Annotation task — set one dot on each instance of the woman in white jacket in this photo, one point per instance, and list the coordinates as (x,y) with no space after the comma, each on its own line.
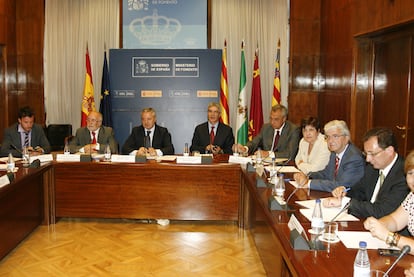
(313,154)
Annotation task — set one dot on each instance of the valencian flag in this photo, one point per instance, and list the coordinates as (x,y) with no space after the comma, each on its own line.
(256,112)
(105,107)
(242,103)
(88,100)
(276,98)
(224,89)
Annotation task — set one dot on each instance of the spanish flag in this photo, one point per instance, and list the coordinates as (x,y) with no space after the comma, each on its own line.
(88,100)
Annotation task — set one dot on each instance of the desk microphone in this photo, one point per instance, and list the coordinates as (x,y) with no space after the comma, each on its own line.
(17,149)
(341,211)
(34,164)
(404,251)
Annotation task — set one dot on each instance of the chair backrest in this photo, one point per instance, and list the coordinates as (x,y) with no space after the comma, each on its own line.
(56,134)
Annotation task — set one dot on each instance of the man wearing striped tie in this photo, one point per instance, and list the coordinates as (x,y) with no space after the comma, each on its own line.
(25,133)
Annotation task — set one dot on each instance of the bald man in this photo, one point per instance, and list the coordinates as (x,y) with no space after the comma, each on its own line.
(94,137)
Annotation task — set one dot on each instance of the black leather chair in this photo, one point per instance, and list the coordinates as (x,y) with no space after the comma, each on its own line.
(56,134)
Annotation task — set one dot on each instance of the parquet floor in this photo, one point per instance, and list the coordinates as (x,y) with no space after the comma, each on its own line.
(94,247)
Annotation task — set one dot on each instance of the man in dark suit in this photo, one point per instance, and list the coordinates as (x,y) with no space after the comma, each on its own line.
(94,137)
(383,187)
(345,166)
(149,138)
(25,133)
(280,137)
(222,138)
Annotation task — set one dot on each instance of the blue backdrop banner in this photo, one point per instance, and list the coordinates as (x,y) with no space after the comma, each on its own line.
(178,84)
(164,24)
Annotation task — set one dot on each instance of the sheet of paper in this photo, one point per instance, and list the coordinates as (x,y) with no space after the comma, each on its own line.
(328,214)
(351,239)
(282,169)
(5,159)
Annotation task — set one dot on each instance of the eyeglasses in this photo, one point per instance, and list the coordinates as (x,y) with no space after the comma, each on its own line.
(335,137)
(366,154)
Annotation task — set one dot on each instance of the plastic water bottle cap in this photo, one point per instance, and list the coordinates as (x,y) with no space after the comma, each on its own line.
(362,244)
(318,201)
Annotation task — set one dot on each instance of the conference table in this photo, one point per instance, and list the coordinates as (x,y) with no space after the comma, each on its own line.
(150,190)
(271,234)
(23,205)
(219,191)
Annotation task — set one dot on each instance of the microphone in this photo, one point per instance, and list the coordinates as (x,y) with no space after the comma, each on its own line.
(17,149)
(34,164)
(406,249)
(341,211)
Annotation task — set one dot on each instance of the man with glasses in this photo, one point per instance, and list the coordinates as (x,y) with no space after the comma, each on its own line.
(345,166)
(383,186)
(279,137)
(94,137)
(213,136)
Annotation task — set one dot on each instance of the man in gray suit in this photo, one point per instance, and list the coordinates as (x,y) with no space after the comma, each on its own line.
(280,136)
(346,164)
(94,137)
(25,134)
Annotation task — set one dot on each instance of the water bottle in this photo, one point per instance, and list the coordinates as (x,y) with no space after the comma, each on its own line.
(317,219)
(362,266)
(186,150)
(66,150)
(10,163)
(107,153)
(259,159)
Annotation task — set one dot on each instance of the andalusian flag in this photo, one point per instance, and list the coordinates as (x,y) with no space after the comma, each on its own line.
(276,98)
(242,104)
(224,89)
(88,100)
(105,107)
(256,112)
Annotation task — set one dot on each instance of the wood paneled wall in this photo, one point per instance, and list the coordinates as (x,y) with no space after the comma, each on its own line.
(21,61)
(322,56)
(322,50)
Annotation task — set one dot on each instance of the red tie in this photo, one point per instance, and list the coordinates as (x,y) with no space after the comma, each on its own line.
(336,165)
(276,141)
(212,135)
(93,138)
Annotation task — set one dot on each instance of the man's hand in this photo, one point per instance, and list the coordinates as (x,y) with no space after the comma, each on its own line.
(331,202)
(301,179)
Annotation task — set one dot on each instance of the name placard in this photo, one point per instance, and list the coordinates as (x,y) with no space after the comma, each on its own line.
(239,160)
(67,158)
(123,158)
(42,158)
(4,180)
(188,159)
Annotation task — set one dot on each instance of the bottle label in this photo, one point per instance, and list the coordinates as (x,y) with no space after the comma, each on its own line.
(362,271)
